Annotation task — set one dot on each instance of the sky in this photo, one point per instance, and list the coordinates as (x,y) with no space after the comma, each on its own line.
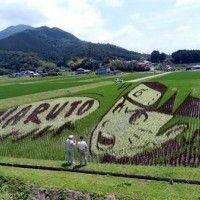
(138,25)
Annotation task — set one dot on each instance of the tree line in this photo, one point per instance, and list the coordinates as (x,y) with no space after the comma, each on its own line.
(11,61)
(177,57)
(186,56)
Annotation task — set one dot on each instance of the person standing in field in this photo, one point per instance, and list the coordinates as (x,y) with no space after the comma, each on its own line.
(82,149)
(70,143)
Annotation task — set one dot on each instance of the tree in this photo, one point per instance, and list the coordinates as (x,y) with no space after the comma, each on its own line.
(126,65)
(155,57)
(87,63)
(163,57)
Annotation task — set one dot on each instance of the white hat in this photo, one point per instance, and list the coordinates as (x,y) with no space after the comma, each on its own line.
(71,137)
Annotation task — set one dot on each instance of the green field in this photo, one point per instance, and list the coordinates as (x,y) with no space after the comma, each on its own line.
(122,188)
(54,148)
(18,87)
(184,82)
(163,111)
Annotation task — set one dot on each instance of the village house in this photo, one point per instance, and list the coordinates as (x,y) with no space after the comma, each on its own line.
(103,71)
(195,68)
(82,71)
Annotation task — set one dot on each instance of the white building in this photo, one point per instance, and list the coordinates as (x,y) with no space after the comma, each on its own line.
(195,68)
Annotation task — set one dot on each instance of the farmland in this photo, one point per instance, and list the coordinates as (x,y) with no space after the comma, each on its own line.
(24,86)
(152,122)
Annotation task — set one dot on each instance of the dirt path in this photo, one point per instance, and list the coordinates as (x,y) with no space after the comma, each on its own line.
(148,77)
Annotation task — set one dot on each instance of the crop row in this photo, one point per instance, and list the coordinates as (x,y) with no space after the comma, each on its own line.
(136,130)
(40,118)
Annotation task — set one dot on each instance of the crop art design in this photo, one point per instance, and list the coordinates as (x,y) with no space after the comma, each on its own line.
(134,130)
(38,119)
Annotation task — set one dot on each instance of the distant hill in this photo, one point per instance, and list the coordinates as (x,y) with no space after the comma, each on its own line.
(13,30)
(59,46)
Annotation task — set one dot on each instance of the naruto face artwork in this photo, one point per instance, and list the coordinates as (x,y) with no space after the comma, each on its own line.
(135,122)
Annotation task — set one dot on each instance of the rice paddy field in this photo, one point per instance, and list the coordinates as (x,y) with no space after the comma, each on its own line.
(140,126)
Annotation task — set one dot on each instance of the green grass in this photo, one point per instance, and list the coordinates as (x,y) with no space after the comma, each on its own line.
(125,76)
(5,195)
(18,87)
(11,81)
(161,171)
(103,185)
(184,83)
(16,101)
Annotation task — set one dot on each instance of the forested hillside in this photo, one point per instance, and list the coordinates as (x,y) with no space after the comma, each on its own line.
(57,46)
(18,61)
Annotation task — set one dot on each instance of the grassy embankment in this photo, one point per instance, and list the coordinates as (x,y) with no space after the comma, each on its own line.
(103,185)
(161,171)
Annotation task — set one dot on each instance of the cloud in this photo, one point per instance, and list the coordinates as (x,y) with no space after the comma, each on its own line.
(113,3)
(135,16)
(129,29)
(71,15)
(183,3)
(128,36)
(183,28)
(15,12)
(143,30)
(74,16)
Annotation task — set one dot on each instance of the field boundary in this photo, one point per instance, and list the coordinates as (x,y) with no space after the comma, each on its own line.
(104,173)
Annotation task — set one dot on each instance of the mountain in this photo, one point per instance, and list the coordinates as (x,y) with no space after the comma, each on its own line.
(14,29)
(57,45)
